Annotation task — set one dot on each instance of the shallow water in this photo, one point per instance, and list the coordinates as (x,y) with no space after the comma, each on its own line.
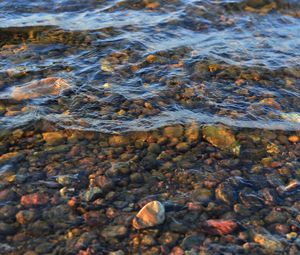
(232,62)
(108,105)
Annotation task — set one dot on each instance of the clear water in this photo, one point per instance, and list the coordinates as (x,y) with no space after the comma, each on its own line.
(232,62)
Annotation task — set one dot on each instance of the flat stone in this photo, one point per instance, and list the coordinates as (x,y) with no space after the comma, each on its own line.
(219,227)
(51,86)
(221,138)
(152,214)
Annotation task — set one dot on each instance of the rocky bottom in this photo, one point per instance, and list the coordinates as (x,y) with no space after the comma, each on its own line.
(176,190)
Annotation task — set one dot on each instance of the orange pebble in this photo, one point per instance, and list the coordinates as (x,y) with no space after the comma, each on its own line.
(72,202)
(150,58)
(152,5)
(293,138)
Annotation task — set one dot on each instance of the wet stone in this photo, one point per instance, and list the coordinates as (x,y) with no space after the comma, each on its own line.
(39,228)
(192,133)
(34,199)
(226,193)
(53,138)
(169,238)
(221,138)
(175,131)
(250,199)
(7,212)
(219,227)
(136,178)
(192,242)
(152,214)
(91,194)
(148,240)
(67,180)
(154,148)
(51,86)
(182,147)
(202,195)
(44,248)
(268,242)
(276,217)
(119,168)
(7,229)
(105,183)
(11,157)
(114,232)
(7,195)
(26,216)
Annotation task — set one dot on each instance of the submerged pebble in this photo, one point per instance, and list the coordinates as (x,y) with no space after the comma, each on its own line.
(152,214)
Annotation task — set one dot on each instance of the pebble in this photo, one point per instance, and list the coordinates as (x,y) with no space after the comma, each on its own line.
(7,229)
(221,138)
(219,227)
(7,195)
(114,231)
(154,148)
(152,214)
(7,212)
(105,183)
(174,131)
(34,199)
(169,238)
(148,240)
(91,194)
(226,193)
(192,242)
(26,216)
(268,242)
(182,147)
(276,217)
(11,157)
(293,139)
(192,132)
(53,138)
(51,86)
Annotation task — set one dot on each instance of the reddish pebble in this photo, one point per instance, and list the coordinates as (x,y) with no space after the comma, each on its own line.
(219,227)
(275,164)
(34,199)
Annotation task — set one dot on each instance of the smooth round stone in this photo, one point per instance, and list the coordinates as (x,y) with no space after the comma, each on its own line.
(152,214)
